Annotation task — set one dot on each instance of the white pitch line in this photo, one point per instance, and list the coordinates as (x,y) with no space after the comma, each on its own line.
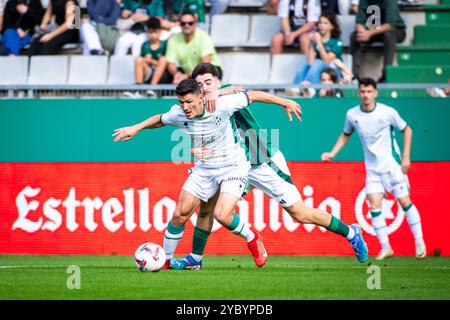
(55,266)
(362,266)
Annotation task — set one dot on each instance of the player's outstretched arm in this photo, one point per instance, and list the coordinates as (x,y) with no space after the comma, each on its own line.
(340,143)
(127,133)
(407,141)
(288,105)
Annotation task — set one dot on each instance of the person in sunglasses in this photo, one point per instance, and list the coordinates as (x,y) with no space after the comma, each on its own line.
(188,48)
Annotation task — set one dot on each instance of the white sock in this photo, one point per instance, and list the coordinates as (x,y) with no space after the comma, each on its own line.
(242,229)
(170,242)
(413,218)
(351,233)
(379,224)
(197,257)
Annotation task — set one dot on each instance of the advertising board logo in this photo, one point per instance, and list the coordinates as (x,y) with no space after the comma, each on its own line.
(391,212)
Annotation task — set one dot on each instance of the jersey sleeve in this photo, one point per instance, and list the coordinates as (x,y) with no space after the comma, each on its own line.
(397,121)
(170,117)
(348,127)
(233,102)
(283,9)
(314,10)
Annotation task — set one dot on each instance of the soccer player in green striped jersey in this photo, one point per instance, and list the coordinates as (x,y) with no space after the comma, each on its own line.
(269,173)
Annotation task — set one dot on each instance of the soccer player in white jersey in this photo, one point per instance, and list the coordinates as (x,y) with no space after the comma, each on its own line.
(225,172)
(385,169)
(269,172)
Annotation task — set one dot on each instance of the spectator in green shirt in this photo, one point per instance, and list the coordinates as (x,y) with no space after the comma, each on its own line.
(391,30)
(197,7)
(188,48)
(326,46)
(151,65)
(139,11)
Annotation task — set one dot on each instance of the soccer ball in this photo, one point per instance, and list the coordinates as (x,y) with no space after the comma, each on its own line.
(150,257)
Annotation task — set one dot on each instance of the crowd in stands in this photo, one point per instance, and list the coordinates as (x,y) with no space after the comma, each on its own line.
(168,38)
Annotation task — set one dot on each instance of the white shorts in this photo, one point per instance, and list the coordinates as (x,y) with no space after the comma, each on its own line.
(274,179)
(204,183)
(394,181)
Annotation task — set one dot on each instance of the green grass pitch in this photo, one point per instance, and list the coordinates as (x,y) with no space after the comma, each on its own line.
(224,277)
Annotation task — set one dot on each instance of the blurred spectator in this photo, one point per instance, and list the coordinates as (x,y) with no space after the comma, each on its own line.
(56,36)
(272,7)
(326,46)
(297,18)
(390,32)
(329,76)
(219,6)
(137,13)
(188,48)
(151,65)
(20,18)
(341,7)
(2,8)
(197,7)
(98,33)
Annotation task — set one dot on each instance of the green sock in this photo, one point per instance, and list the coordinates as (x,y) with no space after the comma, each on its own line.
(337,226)
(199,241)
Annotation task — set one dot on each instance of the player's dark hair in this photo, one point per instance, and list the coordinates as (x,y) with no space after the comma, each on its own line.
(153,24)
(187,86)
(204,68)
(367,82)
(331,16)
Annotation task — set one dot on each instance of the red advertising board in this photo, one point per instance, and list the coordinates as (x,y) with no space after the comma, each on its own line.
(111,208)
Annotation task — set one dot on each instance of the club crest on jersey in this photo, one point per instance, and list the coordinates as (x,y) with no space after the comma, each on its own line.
(391,212)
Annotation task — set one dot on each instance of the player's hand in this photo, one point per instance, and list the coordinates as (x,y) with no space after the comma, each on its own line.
(406,164)
(293,107)
(210,101)
(201,153)
(124,134)
(327,156)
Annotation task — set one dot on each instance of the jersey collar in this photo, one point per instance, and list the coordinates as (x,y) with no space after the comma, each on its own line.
(360,108)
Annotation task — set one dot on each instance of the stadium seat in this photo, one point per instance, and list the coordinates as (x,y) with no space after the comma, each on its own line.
(14,70)
(284,67)
(437,14)
(88,69)
(48,70)
(226,61)
(435,34)
(249,68)
(263,27)
(229,30)
(347,24)
(121,70)
(247,3)
(423,55)
(418,74)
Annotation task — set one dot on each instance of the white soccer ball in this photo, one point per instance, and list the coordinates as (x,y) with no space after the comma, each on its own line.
(150,257)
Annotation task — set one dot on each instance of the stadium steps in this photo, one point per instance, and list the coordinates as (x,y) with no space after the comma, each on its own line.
(437,14)
(418,74)
(423,55)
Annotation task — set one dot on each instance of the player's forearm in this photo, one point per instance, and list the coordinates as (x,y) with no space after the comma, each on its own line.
(407,141)
(340,143)
(230,90)
(151,123)
(261,96)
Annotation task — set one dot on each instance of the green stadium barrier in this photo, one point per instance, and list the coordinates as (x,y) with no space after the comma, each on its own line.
(80,130)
